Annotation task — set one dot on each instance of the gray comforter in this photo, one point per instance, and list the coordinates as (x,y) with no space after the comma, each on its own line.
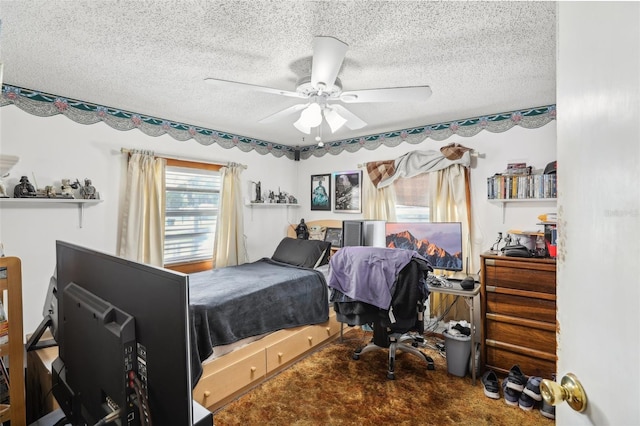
(232,303)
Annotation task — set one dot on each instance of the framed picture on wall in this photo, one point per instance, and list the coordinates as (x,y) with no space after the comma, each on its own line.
(348,192)
(321,192)
(334,236)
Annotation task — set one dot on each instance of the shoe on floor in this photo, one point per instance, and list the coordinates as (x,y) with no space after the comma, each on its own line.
(516,379)
(548,410)
(511,397)
(532,388)
(526,402)
(490,384)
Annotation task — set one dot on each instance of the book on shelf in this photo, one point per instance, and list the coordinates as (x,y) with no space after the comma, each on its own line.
(4,325)
(507,187)
(4,383)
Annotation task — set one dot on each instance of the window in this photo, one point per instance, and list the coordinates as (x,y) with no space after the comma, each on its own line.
(191,213)
(412,198)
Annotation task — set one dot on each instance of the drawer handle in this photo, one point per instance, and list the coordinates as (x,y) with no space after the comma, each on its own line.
(280,354)
(253,370)
(310,339)
(207,394)
(328,330)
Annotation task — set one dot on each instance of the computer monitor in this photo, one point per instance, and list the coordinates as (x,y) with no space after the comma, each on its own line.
(139,314)
(438,242)
(352,233)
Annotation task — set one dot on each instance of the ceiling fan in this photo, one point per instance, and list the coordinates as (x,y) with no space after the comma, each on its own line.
(322,89)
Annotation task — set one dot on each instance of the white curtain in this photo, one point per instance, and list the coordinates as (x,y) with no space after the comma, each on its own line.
(229,246)
(143,211)
(450,202)
(379,204)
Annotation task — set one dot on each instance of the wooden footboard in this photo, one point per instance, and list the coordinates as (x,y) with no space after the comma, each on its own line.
(225,378)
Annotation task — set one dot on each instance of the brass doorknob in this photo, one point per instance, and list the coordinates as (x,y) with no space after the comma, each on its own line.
(570,389)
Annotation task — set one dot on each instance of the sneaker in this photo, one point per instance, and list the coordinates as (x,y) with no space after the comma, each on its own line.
(526,402)
(511,396)
(532,388)
(548,410)
(490,384)
(516,380)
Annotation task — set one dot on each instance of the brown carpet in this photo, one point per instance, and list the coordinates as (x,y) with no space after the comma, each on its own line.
(330,388)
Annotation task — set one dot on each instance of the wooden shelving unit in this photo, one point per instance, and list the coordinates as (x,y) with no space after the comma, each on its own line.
(13,350)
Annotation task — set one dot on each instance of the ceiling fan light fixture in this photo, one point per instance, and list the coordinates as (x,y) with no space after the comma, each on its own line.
(335,120)
(302,127)
(310,117)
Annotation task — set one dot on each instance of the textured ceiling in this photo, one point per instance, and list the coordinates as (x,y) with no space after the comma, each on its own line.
(151,57)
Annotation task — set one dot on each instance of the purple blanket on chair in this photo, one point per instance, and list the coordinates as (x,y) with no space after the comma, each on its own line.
(376,266)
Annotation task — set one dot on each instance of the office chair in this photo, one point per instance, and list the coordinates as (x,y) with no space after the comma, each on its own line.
(400,326)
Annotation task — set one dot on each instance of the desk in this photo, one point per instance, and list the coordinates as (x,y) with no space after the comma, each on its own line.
(468,295)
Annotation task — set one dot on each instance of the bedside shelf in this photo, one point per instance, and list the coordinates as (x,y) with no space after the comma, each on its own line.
(31,202)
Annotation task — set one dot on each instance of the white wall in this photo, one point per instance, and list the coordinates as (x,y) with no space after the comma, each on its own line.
(536,147)
(53,148)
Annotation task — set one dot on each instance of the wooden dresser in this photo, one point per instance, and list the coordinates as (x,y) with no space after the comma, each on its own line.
(518,308)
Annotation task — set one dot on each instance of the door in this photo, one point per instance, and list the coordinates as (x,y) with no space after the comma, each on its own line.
(598,96)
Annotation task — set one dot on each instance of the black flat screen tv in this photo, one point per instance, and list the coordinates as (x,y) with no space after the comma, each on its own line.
(438,242)
(138,315)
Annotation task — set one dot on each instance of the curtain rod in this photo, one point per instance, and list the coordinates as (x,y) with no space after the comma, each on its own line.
(173,157)
(472,153)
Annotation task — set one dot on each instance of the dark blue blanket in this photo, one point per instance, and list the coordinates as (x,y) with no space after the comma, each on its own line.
(232,303)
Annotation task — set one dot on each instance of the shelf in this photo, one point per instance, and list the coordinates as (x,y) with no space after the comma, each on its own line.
(504,202)
(519,200)
(271,205)
(80,202)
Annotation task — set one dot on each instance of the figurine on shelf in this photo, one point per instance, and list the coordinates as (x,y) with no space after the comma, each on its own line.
(24,189)
(88,191)
(67,188)
(50,191)
(258,192)
(3,188)
(302,231)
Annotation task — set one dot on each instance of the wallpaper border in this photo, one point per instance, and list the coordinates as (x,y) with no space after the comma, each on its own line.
(45,105)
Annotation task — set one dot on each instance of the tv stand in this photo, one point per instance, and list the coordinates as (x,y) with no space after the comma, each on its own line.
(44,409)
(34,343)
(201,417)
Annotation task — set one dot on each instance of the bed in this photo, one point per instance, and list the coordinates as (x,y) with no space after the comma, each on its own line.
(270,312)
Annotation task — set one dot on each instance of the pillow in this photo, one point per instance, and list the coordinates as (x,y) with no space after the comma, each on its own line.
(305,253)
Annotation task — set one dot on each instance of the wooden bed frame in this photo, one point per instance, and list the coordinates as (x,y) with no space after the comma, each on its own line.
(229,376)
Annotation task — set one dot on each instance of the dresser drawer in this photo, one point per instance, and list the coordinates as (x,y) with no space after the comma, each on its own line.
(521,307)
(521,279)
(502,359)
(532,335)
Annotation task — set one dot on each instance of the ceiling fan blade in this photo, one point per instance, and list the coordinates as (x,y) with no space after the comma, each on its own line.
(353,121)
(281,114)
(390,94)
(235,84)
(328,54)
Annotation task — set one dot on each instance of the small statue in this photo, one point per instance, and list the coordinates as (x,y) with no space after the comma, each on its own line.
(302,231)
(258,192)
(3,188)
(88,191)
(50,191)
(24,189)
(67,188)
